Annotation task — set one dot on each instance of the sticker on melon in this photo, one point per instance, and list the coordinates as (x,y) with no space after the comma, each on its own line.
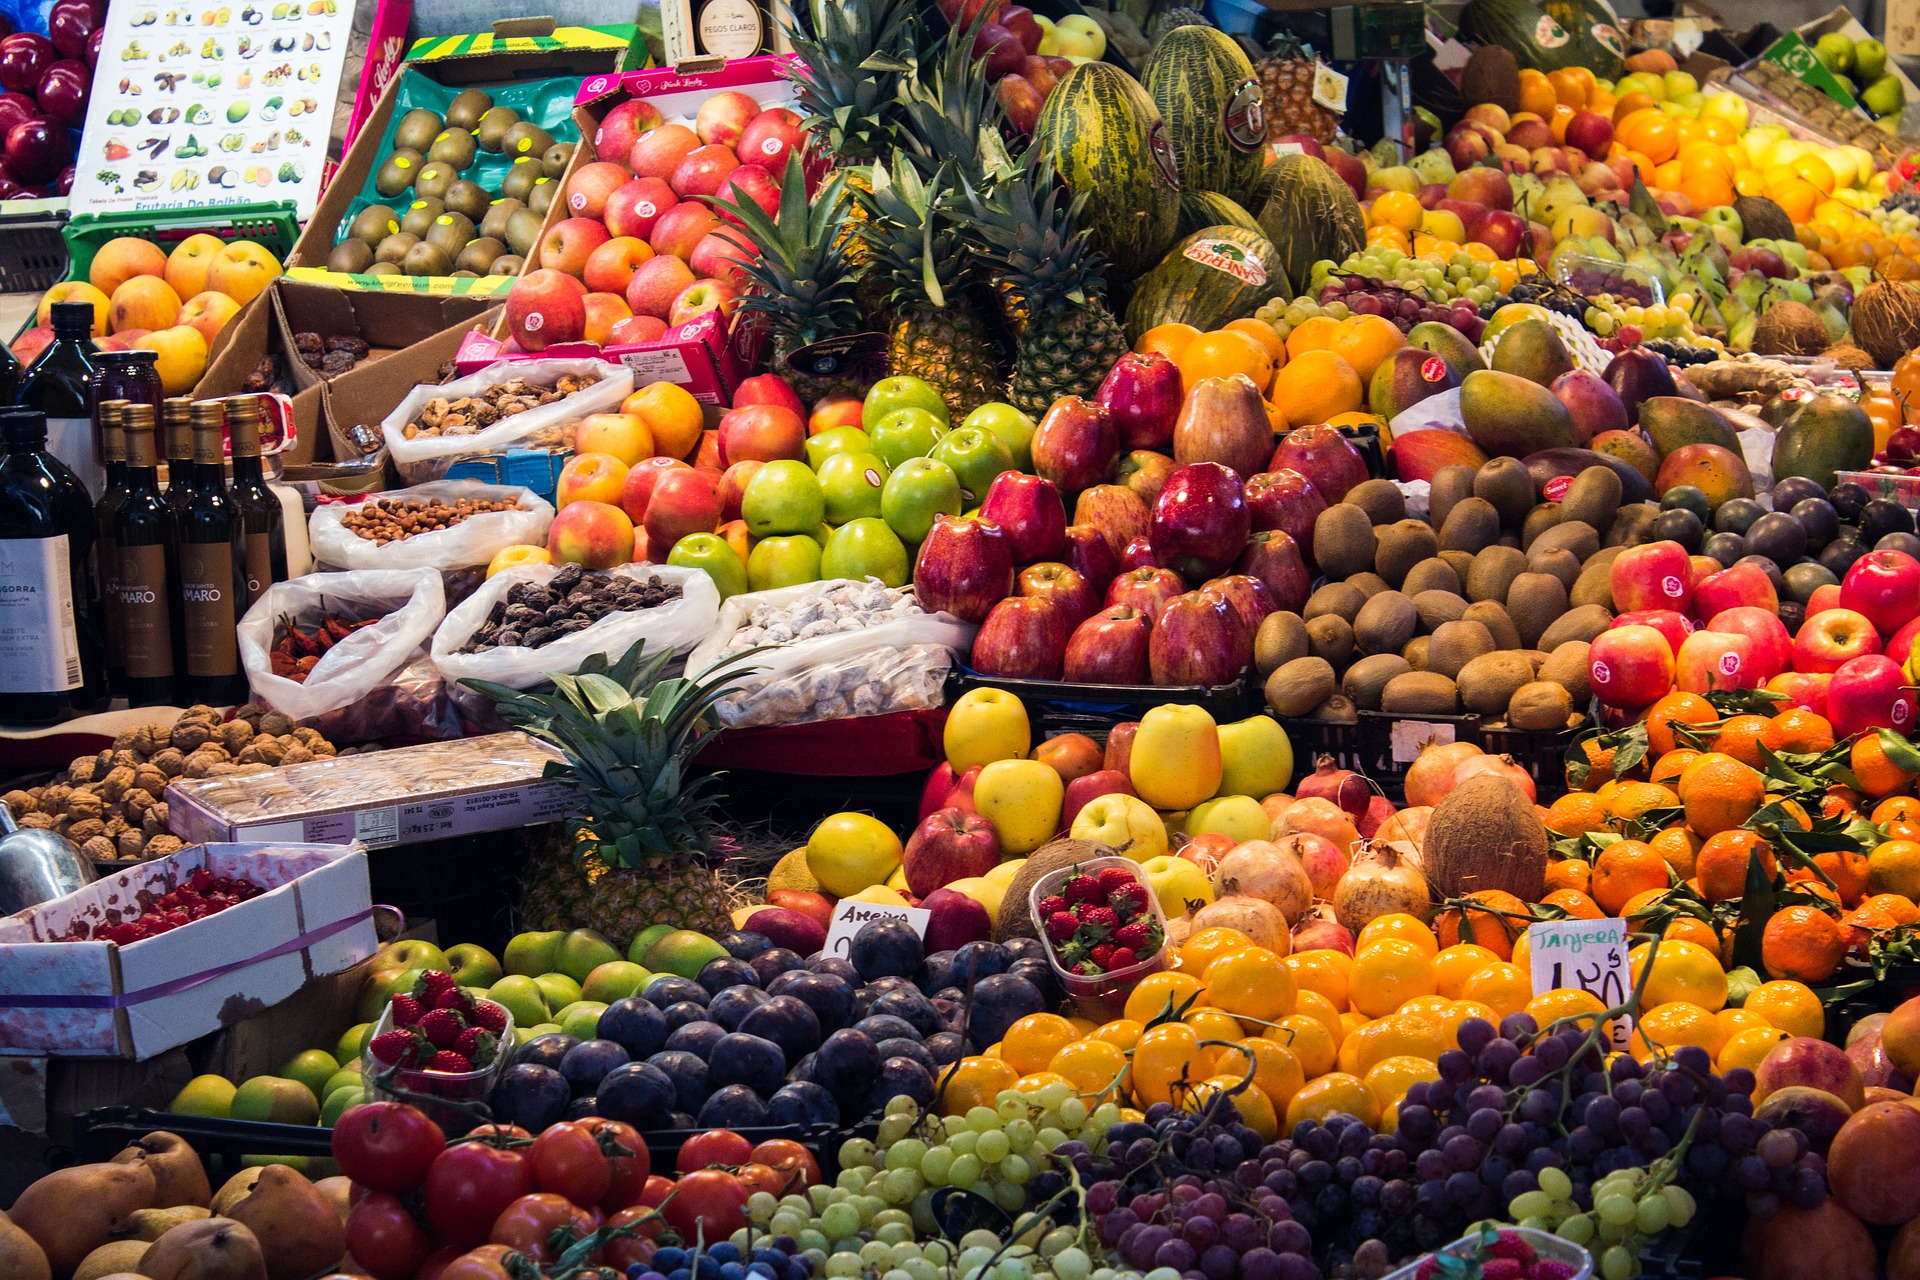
(1162,151)
(1549,34)
(1225,255)
(1246,116)
(1609,36)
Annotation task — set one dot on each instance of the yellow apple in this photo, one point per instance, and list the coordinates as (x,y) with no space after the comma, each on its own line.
(1255,758)
(848,852)
(898,880)
(1238,816)
(880,894)
(1175,763)
(981,890)
(1176,883)
(1094,34)
(985,725)
(1049,39)
(1073,42)
(1022,799)
(1443,223)
(1126,824)
(1003,874)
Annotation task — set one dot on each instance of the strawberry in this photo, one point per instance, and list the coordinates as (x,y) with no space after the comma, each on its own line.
(489,1015)
(1113,877)
(1137,936)
(1061,926)
(1051,904)
(1496,1268)
(1508,1245)
(431,985)
(1121,958)
(1550,1269)
(442,1027)
(455,999)
(1101,918)
(1082,888)
(1428,1268)
(448,1060)
(1127,899)
(406,1011)
(1102,955)
(1087,969)
(394,1048)
(476,1045)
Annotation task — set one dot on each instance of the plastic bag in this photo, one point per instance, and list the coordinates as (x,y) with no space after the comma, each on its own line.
(415,702)
(426,458)
(472,542)
(678,625)
(865,684)
(409,604)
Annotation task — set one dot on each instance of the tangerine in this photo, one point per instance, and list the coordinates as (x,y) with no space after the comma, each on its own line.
(1365,341)
(1575,903)
(1166,1055)
(1158,993)
(1223,353)
(1563,1002)
(1204,946)
(1316,385)
(1316,1006)
(1679,847)
(1256,1110)
(1676,1023)
(1492,924)
(1739,737)
(1251,983)
(1569,873)
(1721,866)
(1624,870)
(1396,209)
(1389,1079)
(1574,813)
(1276,1071)
(1453,966)
(1308,1040)
(1092,1066)
(1789,1005)
(976,1082)
(1748,1048)
(1894,867)
(1678,707)
(1504,988)
(1632,799)
(1389,973)
(1031,1042)
(1681,971)
(1797,729)
(1326,971)
(1334,1092)
(1671,765)
(1121,1033)
(1397,1035)
(1397,924)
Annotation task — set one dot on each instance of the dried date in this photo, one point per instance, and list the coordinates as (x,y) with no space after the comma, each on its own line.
(531,615)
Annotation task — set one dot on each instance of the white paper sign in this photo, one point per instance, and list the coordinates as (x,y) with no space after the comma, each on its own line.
(849,917)
(1588,954)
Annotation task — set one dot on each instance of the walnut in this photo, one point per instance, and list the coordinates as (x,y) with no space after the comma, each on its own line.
(85,804)
(201,711)
(212,750)
(170,761)
(140,739)
(100,849)
(135,803)
(126,759)
(323,749)
(83,831)
(189,734)
(274,723)
(150,779)
(222,769)
(309,736)
(20,802)
(102,762)
(251,713)
(264,750)
(116,783)
(115,825)
(246,770)
(81,770)
(296,753)
(235,734)
(40,821)
(201,765)
(162,845)
(154,820)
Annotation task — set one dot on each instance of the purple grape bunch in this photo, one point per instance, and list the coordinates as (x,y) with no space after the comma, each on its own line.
(1365,296)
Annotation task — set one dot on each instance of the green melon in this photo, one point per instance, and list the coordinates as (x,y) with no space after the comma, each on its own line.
(1205,89)
(1535,38)
(1211,209)
(1309,214)
(1106,138)
(1215,275)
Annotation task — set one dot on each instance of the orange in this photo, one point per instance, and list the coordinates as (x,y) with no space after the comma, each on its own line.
(1323,970)
(1264,334)
(1894,867)
(1396,209)
(1389,1079)
(1693,929)
(1091,1066)
(1031,1043)
(1674,1024)
(1798,730)
(1569,873)
(1255,1109)
(671,413)
(1250,983)
(1569,88)
(1453,966)
(1739,737)
(1848,871)
(1791,1006)
(1898,907)
(1897,809)
(1679,847)
(1748,1048)
(1397,924)
(1576,812)
(1651,132)
(1802,943)
(1394,1036)
(1721,866)
(1276,1071)
(1493,928)
(1669,176)
(1877,774)
(1675,708)
(1121,1033)
(976,1082)
(1625,869)
(1366,341)
(1505,988)
(1223,353)
(1307,1039)
(1720,793)
(1212,1024)
(1563,1002)
(1681,971)
(1205,946)
(1168,340)
(1387,974)
(1165,1055)
(1316,384)
(1157,992)
(1537,96)
(1671,765)
(1635,798)
(1575,903)
(1630,103)
(1335,1091)
(1797,196)
(1558,121)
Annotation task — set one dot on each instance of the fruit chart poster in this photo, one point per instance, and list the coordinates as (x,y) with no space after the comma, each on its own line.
(205,103)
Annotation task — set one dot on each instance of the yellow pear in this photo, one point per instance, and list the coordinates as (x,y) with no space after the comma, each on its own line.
(21,1257)
(210,1249)
(299,1230)
(151,1224)
(71,1212)
(114,1256)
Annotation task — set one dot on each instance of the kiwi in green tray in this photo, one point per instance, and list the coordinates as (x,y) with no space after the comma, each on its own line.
(383,269)
(350,255)
(465,110)
(523,228)
(451,232)
(495,222)
(420,215)
(556,158)
(507,265)
(394,248)
(544,190)
(417,130)
(373,224)
(398,172)
(468,198)
(478,256)
(493,126)
(427,259)
(455,146)
(434,179)
(520,177)
(525,139)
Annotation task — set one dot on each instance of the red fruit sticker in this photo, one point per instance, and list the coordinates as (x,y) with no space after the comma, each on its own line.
(1730,664)
(534,322)
(1556,488)
(1161,148)
(1902,712)
(1433,369)
(1601,673)
(1672,586)
(646,208)
(578,200)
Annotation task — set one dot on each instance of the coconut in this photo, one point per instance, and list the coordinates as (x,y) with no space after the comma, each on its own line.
(1790,328)
(1485,835)
(1015,917)
(1848,356)
(1886,321)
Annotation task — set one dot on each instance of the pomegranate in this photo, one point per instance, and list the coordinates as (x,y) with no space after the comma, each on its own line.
(1379,810)
(1342,786)
(1430,776)
(1499,766)
(1255,917)
(1320,818)
(1323,860)
(1319,931)
(1262,869)
(1381,882)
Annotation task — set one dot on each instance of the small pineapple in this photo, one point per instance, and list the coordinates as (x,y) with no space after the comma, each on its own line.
(847,72)
(1286,82)
(642,845)
(1177,16)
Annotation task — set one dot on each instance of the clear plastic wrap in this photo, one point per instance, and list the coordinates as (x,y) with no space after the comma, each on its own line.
(426,457)
(471,543)
(865,684)
(408,603)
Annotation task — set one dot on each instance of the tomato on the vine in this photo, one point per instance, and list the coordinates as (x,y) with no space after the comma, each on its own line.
(639,1247)
(711,1197)
(719,1146)
(386,1146)
(488,1262)
(383,1237)
(785,1153)
(469,1185)
(629,1171)
(755,1176)
(528,1224)
(566,1160)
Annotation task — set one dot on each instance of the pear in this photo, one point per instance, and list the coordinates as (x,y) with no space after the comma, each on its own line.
(151,1224)
(21,1257)
(337,1190)
(299,1229)
(210,1249)
(113,1257)
(72,1212)
(235,1189)
(178,1176)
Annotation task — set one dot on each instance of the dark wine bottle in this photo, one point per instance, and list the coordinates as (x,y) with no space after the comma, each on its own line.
(143,534)
(10,371)
(263,521)
(52,661)
(59,384)
(106,551)
(176,424)
(213,571)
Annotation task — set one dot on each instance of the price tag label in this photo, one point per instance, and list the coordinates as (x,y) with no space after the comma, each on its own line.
(1588,954)
(849,917)
(1329,87)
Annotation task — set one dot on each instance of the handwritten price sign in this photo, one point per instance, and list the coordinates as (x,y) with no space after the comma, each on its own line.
(1588,954)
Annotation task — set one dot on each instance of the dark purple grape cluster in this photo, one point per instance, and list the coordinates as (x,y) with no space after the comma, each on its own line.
(1368,297)
(1594,281)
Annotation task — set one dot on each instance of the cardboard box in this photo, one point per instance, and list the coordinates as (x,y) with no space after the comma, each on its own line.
(99,999)
(1842,20)
(355,404)
(386,47)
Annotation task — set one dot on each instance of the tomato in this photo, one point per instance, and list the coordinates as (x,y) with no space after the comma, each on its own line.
(488,1262)
(566,1160)
(627,1250)
(497,1133)
(469,1185)
(387,1146)
(629,1171)
(719,1146)
(764,1177)
(785,1153)
(383,1237)
(529,1223)
(709,1200)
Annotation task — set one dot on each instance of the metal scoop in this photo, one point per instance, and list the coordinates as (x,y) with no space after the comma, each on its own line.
(37,865)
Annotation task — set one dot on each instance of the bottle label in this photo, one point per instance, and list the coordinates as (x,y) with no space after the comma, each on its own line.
(206,590)
(39,642)
(143,612)
(731,28)
(107,557)
(259,551)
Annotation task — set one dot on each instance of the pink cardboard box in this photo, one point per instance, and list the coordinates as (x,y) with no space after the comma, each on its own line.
(386,49)
(100,999)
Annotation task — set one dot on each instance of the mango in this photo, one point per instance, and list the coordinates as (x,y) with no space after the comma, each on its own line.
(1532,350)
(1407,377)
(1826,434)
(1511,415)
(1673,422)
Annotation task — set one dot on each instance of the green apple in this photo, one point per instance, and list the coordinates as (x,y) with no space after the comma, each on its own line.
(1835,49)
(866,548)
(918,490)
(353,1042)
(782,497)
(347,1077)
(312,1069)
(1885,96)
(637,949)
(684,952)
(582,951)
(521,996)
(890,394)
(473,965)
(1011,425)
(836,440)
(786,561)
(382,987)
(581,1019)
(532,953)
(208,1096)
(976,455)
(557,989)
(906,433)
(712,553)
(614,980)
(337,1103)
(821,532)
(851,482)
(1869,60)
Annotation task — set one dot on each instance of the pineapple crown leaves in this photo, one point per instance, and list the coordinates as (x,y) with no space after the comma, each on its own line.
(917,243)
(801,276)
(847,75)
(953,114)
(1031,233)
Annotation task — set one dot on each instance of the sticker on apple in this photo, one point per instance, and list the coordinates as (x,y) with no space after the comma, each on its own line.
(1672,586)
(534,322)
(1730,664)
(1602,673)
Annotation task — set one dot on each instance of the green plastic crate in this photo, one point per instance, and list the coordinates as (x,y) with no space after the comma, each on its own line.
(270,224)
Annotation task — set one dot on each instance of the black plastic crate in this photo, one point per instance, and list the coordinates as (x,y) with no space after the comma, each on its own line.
(33,252)
(1391,740)
(1312,739)
(1542,755)
(1056,706)
(467,884)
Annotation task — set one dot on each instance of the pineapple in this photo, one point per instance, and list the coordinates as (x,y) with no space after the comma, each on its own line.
(1286,83)
(1051,281)
(921,252)
(847,74)
(641,848)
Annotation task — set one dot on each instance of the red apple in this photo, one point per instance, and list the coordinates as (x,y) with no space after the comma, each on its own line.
(700,297)
(1002,50)
(633,208)
(1089,555)
(1288,502)
(719,256)
(681,227)
(1870,692)
(656,283)
(1273,558)
(750,182)
(545,308)
(1110,647)
(770,138)
(1021,99)
(1199,640)
(768,388)
(1772,646)
(949,845)
(1803,689)
(571,241)
(1101,782)
(1656,575)
(1021,638)
(623,126)
(762,433)
(1149,590)
(1590,131)
(635,330)
(1115,510)
(1738,586)
(1142,396)
(1029,509)
(964,567)
(1138,554)
(1248,596)
(1342,162)
(733,484)
(641,479)
(1710,660)
(1502,232)
(1828,640)
(1675,626)
(1824,597)
(724,117)
(1483,186)
(1037,73)
(1325,457)
(1901,643)
(1019,20)
(1630,666)
(659,152)
(954,919)
(683,502)
(703,171)
(835,411)
(933,794)
(1075,445)
(1064,586)
(1885,587)
(610,267)
(592,185)
(1200,521)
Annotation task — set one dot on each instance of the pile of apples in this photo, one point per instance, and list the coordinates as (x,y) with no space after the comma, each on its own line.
(1025,54)
(46,82)
(640,250)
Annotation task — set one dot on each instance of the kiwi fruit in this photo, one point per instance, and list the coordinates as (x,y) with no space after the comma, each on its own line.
(420,215)
(1338,598)
(383,269)
(1472,526)
(395,247)
(508,265)
(525,138)
(1458,561)
(1488,682)
(1420,693)
(1559,562)
(465,275)
(1300,686)
(1338,709)
(1330,636)
(1539,706)
(1431,574)
(1633,525)
(1343,541)
(1367,679)
(1534,602)
(350,255)
(1416,652)
(1494,617)
(1385,623)
(465,110)
(426,259)
(1594,586)
(373,224)
(1572,535)
(434,178)
(1493,572)
(491,129)
(520,177)
(495,222)
(556,158)
(1593,497)
(468,198)
(455,147)
(541,194)
(399,172)
(417,130)
(1402,545)
(1538,521)
(1449,485)
(1455,644)
(523,229)
(1369,585)
(1506,484)
(451,231)
(1282,637)
(1566,666)
(1436,606)
(1581,623)
(479,255)
(1380,499)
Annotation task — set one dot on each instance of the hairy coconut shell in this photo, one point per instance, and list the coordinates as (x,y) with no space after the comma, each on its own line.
(1886,321)
(1485,835)
(1848,356)
(1015,919)
(1790,328)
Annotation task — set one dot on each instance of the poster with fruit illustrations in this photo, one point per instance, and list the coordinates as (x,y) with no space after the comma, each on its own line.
(207,103)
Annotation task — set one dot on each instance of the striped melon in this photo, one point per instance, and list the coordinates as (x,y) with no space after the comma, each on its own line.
(1105,136)
(1206,91)
(1535,38)
(1215,275)
(1309,214)
(1211,209)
